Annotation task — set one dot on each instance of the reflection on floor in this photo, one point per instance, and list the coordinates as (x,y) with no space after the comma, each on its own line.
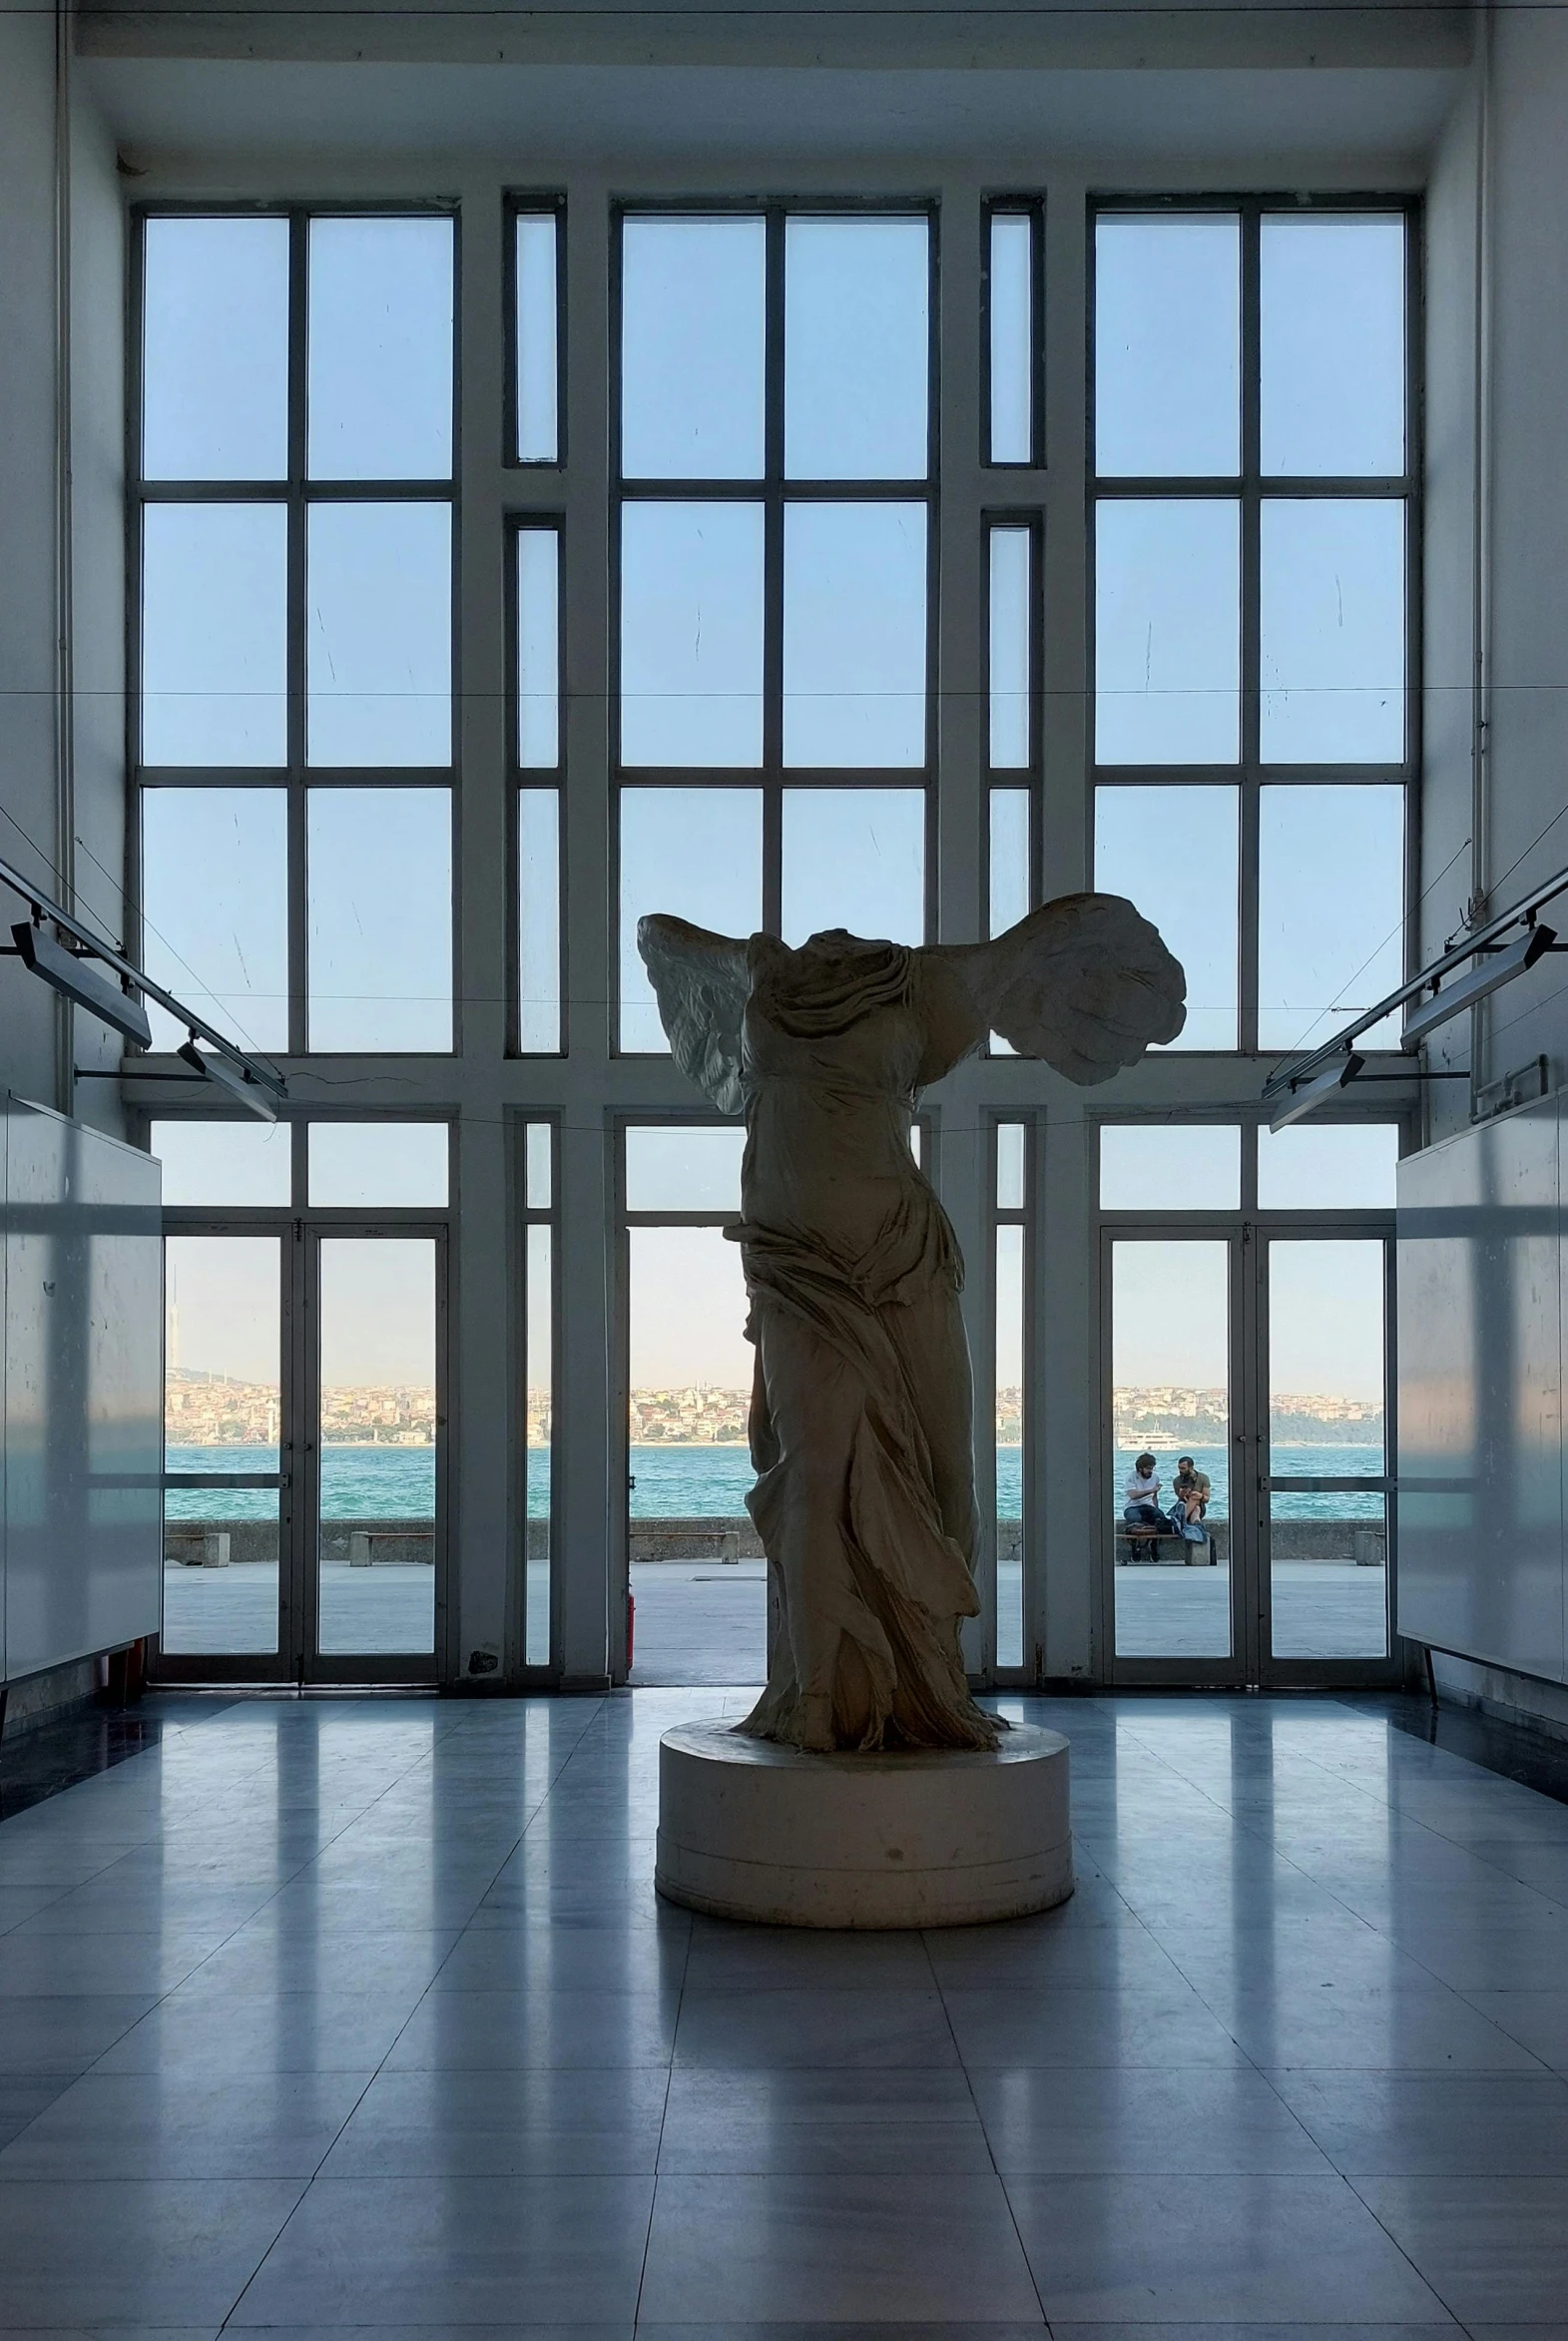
(329,2013)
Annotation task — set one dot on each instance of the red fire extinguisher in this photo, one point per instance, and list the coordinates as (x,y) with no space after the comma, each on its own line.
(631,1627)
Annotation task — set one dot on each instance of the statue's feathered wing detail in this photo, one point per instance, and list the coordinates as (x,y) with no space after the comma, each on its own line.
(1084,982)
(701,983)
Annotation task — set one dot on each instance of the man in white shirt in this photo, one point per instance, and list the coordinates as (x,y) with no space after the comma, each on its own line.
(1142,1509)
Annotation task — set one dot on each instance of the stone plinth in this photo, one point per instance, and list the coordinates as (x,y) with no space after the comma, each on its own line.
(752,1829)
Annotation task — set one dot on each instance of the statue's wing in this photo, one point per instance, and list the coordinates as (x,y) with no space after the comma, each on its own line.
(700,981)
(1084,982)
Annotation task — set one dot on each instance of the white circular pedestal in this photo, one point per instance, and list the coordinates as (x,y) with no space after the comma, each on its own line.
(947,1838)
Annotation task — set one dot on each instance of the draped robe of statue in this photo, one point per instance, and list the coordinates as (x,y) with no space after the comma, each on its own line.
(861,1422)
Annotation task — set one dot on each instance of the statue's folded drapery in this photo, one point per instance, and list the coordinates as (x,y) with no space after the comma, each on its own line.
(861,1411)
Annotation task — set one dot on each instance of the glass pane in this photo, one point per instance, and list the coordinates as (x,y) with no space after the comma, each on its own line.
(538,1166)
(215,909)
(1010,637)
(1170,1373)
(539,917)
(215,349)
(1011,1156)
(856,348)
(538,649)
(1173,852)
(1327,1547)
(1167,632)
(1329,1166)
(1325,1357)
(1332,345)
(1009,872)
(698,1578)
(697,854)
(223,1405)
(215,634)
(692,634)
(222,1165)
(1010,294)
(1332,632)
(1167,347)
(378,1165)
(381,350)
(854,857)
(380,918)
(678,1168)
(1330,909)
(855,650)
(539,1376)
(1157,1166)
(377,1548)
(538,359)
(693,328)
(378,635)
(1009,1445)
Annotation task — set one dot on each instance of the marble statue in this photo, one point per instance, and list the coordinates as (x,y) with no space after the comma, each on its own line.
(861,1413)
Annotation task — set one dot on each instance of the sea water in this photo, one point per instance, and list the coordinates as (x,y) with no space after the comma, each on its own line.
(709,1482)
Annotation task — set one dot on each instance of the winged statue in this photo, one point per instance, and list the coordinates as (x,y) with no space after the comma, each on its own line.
(862,1418)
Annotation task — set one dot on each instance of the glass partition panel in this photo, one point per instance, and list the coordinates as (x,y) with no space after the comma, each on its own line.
(1010,311)
(539,921)
(539,1376)
(692,634)
(1332,336)
(856,348)
(1170,1459)
(854,857)
(692,332)
(1160,1166)
(1167,347)
(378,1165)
(1145,840)
(213,634)
(674,1166)
(379,634)
(1009,1437)
(1011,628)
(215,909)
(537,329)
(696,852)
(855,635)
(223,1405)
(1330,909)
(379,349)
(376,1541)
(214,348)
(538,648)
(1168,633)
(379,884)
(698,1578)
(211,1166)
(1331,629)
(1327,1537)
(1329,1166)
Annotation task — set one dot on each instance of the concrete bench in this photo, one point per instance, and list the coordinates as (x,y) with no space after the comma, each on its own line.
(668,1541)
(390,1546)
(1141,1548)
(197,1547)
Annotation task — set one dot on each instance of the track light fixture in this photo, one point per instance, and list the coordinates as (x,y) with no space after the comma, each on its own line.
(1301,1099)
(1491,971)
(76,978)
(228,1077)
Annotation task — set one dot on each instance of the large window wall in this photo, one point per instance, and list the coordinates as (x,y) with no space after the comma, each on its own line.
(743,568)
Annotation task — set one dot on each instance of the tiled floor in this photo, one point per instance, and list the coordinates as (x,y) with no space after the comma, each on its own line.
(333,2015)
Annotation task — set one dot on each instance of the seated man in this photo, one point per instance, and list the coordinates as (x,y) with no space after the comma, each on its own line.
(1191,1489)
(1141,1509)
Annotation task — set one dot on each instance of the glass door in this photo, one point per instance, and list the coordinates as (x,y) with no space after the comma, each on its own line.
(1324,1486)
(1179,1543)
(373,1455)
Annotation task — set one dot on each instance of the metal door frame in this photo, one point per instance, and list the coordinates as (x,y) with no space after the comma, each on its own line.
(296,1663)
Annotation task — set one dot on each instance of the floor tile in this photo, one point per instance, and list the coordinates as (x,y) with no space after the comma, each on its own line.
(1120,2119)
(897,2250)
(133,2252)
(1144,2024)
(270,2125)
(1494,2247)
(831,2027)
(1538,2021)
(482,2030)
(866,2119)
(1232,2250)
(65,2034)
(471,2123)
(210,2033)
(1348,2025)
(455,2252)
(1431,2123)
